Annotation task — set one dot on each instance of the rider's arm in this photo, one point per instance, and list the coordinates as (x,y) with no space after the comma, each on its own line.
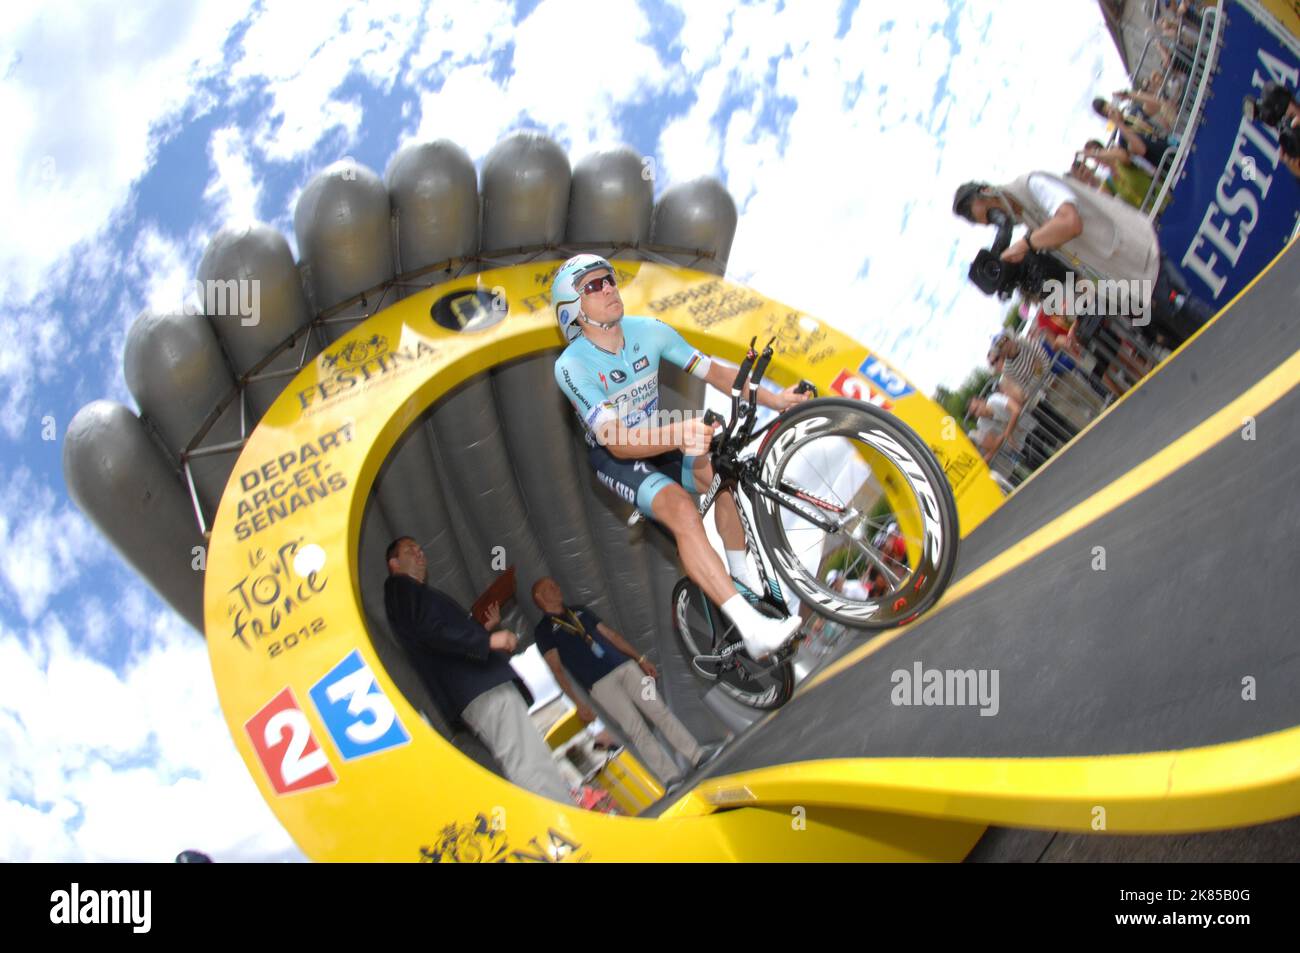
(723,375)
(633,443)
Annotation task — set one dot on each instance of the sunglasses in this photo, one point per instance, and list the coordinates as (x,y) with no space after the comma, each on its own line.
(591,287)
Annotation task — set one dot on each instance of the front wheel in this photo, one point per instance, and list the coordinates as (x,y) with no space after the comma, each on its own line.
(855,513)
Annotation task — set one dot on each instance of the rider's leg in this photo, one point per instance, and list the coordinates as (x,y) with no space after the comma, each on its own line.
(727,519)
(673,507)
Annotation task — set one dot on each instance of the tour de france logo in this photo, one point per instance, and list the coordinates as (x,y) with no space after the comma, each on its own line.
(357,354)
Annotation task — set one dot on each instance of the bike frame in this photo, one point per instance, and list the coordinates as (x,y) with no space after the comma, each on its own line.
(740,477)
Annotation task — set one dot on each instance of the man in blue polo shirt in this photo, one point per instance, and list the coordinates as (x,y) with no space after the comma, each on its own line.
(610,671)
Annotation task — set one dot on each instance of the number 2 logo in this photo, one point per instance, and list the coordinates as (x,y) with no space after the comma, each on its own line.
(290,755)
(358,716)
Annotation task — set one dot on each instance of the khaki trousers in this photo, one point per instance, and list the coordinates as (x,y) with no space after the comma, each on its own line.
(500,717)
(620,693)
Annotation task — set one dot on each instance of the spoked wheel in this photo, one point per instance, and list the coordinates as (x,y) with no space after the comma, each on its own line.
(866,530)
(715,653)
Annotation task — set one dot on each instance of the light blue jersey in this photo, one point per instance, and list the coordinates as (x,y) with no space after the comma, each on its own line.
(625,386)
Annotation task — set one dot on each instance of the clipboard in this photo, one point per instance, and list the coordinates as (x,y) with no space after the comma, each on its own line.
(501,591)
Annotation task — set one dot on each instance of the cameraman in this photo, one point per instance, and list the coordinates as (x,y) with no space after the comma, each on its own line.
(1276,107)
(1093,235)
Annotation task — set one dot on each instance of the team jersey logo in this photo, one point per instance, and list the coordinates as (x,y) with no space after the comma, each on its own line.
(617,376)
(603,383)
(641,364)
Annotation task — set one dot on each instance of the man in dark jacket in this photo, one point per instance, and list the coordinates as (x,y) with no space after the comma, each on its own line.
(467,669)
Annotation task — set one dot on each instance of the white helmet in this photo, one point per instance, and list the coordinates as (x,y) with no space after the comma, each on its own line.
(566,292)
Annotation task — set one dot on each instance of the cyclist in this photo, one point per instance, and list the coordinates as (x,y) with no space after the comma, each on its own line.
(610,374)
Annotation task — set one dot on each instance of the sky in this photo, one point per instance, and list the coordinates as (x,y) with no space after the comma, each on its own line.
(135,132)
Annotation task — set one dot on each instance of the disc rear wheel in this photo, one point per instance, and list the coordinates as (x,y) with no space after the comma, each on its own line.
(714,651)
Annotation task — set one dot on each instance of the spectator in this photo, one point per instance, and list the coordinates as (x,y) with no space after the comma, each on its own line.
(467,668)
(1024,365)
(1292,162)
(1180,22)
(1095,236)
(1141,137)
(1025,361)
(1126,181)
(1161,112)
(573,640)
(996,417)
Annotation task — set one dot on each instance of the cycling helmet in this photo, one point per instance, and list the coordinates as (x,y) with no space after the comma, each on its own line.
(566,292)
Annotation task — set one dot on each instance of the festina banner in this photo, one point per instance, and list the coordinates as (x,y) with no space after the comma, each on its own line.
(1236,203)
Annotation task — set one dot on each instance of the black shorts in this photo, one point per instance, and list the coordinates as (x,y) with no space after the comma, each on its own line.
(638,481)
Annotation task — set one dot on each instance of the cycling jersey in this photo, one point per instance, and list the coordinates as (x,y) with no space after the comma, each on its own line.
(625,386)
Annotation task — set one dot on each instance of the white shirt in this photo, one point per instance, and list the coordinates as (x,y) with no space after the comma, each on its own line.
(1051,195)
(999,404)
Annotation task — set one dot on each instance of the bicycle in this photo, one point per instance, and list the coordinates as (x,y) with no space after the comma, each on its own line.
(898,528)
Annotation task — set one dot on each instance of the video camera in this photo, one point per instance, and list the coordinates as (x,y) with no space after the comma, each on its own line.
(993,276)
(1270,108)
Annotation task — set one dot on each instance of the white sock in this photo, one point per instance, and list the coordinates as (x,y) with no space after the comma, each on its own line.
(740,612)
(738,565)
(757,631)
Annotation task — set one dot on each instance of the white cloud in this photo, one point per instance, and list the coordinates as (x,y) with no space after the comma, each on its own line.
(99,765)
(304,54)
(569,88)
(234,187)
(45,543)
(88,86)
(871,180)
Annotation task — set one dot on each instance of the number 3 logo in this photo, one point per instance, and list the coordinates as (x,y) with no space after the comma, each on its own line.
(358,716)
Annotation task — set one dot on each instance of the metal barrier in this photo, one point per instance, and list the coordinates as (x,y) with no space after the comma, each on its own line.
(1189,112)
(1076,388)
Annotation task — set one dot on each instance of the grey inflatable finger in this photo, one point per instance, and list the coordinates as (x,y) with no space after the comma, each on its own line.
(696,215)
(175,370)
(253,297)
(118,476)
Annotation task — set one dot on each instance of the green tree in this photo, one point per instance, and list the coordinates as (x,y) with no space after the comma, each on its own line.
(955,401)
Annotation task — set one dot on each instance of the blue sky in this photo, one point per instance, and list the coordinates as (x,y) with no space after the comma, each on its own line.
(841,130)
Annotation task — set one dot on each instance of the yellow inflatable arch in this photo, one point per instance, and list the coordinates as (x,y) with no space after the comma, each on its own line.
(349,767)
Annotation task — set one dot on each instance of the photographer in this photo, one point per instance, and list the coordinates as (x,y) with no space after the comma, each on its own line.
(1090,234)
(1276,107)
